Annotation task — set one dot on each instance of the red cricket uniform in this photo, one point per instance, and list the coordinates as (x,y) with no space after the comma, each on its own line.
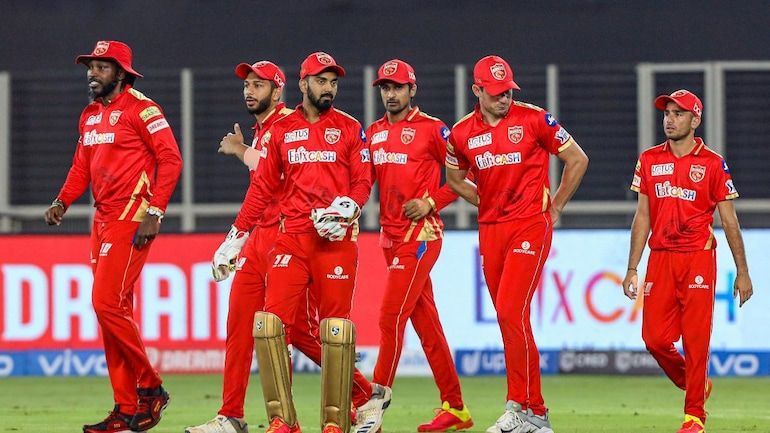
(509,162)
(317,162)
(408,157)
(126,150)
(679,286)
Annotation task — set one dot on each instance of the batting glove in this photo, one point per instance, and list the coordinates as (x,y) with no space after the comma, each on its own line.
(227,254)
(333,222)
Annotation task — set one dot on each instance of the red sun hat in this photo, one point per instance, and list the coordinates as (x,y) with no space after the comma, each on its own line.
(685,99)
(494,74)
(319,62)
(116,51)
(264,69)
(397,71)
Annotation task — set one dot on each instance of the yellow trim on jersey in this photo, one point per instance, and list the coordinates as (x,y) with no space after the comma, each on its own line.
(464,118)
(411,115)
(411,229)
(569,143)
(428,116)
(286,111)
(635,189)
(546,194)
(139,214)
(710,240)
(143,180)
(528,105)
(345,114)
(454,167)
(138,95)
(430,230)
(732,196)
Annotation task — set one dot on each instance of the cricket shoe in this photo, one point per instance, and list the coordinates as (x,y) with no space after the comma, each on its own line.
(513,420)
(692,424)
(149,409)
(220,424)
(369,416)
(115,422)
(331,428)
(448,418)
(538,423)
(277,425)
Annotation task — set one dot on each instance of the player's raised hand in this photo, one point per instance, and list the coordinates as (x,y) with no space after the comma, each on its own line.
(54,214)
(232,143)
(631,284)
(743,287)
(416,208)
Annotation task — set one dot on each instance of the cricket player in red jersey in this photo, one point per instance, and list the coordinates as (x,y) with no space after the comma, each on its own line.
(321,154)
(680,182)
(506,145)
(263,84)
(408,149)
(126,150)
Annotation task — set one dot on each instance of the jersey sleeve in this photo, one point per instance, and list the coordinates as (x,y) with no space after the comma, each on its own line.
(79,175)
(721,186)
(156,133)
(263,182)
(638,183)
(360,167)
(550,134)
(455,159)
(444,195)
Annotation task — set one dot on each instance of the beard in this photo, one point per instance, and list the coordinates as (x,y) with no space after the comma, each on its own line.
(105,90)
(261,107)
(317,103)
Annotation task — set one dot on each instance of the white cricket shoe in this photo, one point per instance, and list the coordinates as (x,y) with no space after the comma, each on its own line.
(220,424)
(513,420)
(369,416)
(540,423)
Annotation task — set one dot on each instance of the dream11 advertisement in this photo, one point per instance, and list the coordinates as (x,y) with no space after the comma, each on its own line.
(579,315)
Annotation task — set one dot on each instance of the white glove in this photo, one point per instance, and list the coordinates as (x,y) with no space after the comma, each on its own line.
(227,254)
(333,222)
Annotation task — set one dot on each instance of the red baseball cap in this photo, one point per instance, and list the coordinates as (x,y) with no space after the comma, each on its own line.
(116,51)
(319,62)
(263,69)
(685,99)
(397,71)
(494,74)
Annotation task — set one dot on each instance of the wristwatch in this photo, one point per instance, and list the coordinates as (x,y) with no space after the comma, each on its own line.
(153,211)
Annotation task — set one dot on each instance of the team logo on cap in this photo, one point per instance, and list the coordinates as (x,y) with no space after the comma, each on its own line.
(696,109)
(101,48)
(697,173)
(114,116)
(407,135)
(324,58)
(498,71)
(260,64)
(515,133)
(390,68)
(332,135)
(278,80)
(678,93)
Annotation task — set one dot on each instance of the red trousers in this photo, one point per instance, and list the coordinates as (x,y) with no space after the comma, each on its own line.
(512,257)
(116,265)
(679,302)
(247,296)
(329,269)
(409,296)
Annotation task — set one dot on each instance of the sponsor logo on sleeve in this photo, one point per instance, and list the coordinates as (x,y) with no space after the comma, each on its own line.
(380,137)
(362,134)
(638,164)
(550,120)
(332,135)
(665,189)
(562,135)
(157,125)
(445,132)
(725,167)
(296,135)
(365,156)
(662,169)
(697,172)
(480,140)
(149,113)
(114,117)
(451,160)
(407,135)
(263,153)
(637,182)
(515,133)
(730,187)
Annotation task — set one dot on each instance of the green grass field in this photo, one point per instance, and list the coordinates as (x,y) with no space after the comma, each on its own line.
(578,403)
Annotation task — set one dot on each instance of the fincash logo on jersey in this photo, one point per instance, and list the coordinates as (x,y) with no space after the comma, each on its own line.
(489,159)
(665,189)
(301,155)
(380,137)
(662,169)
(383,157)
(339,274)
(92,138)
(480,140)
(296,135)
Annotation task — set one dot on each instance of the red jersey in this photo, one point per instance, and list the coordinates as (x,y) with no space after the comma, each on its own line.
(683,193)
(509,161)
(246,218)
(129,156)
(318,162)
(408,156)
